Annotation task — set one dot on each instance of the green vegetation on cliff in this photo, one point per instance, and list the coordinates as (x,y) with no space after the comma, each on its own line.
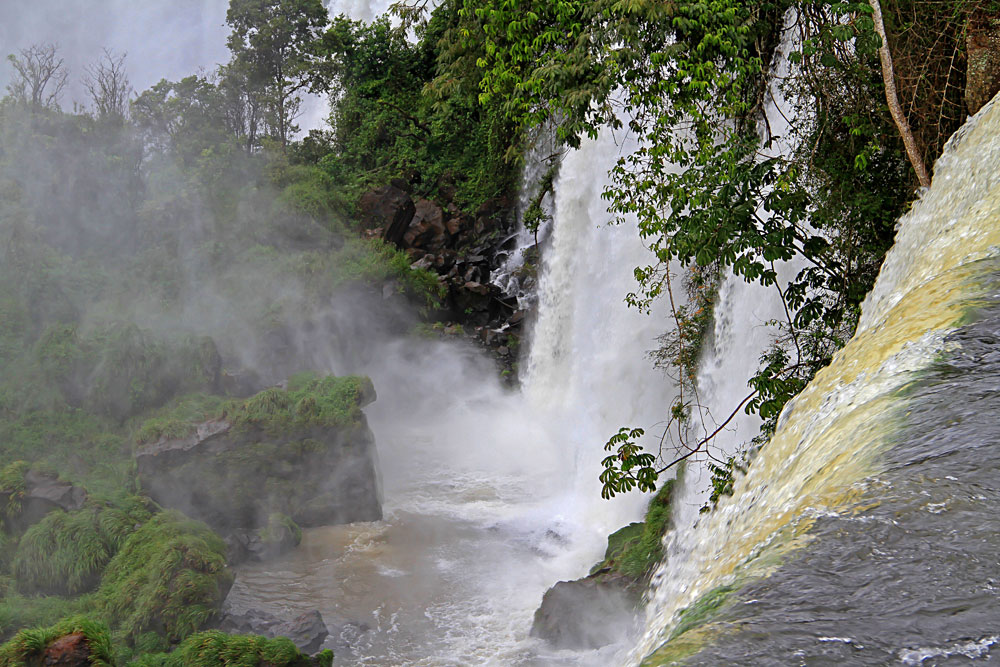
(169,577)
(28,647)
(309,401)
(634,551)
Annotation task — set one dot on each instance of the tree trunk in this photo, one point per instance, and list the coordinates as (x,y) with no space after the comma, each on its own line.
(982,73)
(889,77)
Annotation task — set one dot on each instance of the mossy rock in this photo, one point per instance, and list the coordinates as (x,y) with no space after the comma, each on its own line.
(29,491)
(606,605)
(213,648)
(305,452)
(634,551)
(77,640)
(170,577)
(309,401)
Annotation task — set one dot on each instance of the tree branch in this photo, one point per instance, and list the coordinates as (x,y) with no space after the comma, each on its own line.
(889,77)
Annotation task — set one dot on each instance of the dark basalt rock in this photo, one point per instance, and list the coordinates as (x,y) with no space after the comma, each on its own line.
(427,228)
(307,631)
(587,613)
(389,208)
(42,493)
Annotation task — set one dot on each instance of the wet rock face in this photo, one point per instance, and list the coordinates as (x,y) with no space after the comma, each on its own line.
(42,493)
(236,477)
(307,631)
(72,650)
(389,208)
(586,614)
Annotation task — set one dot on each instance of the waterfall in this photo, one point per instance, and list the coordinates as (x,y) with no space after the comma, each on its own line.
(836,435)
(491,496)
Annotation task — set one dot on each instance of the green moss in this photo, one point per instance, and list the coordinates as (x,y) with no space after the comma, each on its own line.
(310,401)
(218,649)
(180,417)
(618,543)
(169,577)
(701,610)
(635,550)
(65,553)
(27,648)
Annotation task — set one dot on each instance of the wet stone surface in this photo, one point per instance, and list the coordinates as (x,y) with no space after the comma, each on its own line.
(915,578)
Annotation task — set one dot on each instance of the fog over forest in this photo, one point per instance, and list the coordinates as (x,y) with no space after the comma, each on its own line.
(162,39)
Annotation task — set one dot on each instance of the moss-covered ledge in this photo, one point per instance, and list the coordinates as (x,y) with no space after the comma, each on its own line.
(303,450)
(604,606)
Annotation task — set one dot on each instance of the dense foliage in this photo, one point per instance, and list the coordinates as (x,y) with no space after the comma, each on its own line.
(159,255)
(764,146)
(165,256)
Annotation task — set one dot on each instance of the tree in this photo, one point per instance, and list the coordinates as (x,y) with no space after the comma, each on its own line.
(109,87)
(39,76)
(274,43)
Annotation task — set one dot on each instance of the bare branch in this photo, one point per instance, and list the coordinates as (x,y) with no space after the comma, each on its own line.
(39,76)
(109,86)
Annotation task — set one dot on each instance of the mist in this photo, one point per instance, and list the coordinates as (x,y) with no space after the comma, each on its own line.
(153,262)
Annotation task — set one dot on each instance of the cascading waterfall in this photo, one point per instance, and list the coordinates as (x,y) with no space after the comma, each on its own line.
(818,469)
(490,496)
(743,328)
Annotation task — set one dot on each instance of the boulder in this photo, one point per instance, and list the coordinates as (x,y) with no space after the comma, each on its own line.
(489,215)
(427,228)
(72,650)
(39,493)
(307,631)
(305,452)
(389,208)
(587,613)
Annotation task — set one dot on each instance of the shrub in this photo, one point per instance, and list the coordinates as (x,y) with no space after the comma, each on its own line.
(65,553)
(27,648)
(217,649)
(169,577)
(309,401)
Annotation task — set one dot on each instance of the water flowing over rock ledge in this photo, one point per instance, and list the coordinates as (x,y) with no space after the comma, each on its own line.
(814,481)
